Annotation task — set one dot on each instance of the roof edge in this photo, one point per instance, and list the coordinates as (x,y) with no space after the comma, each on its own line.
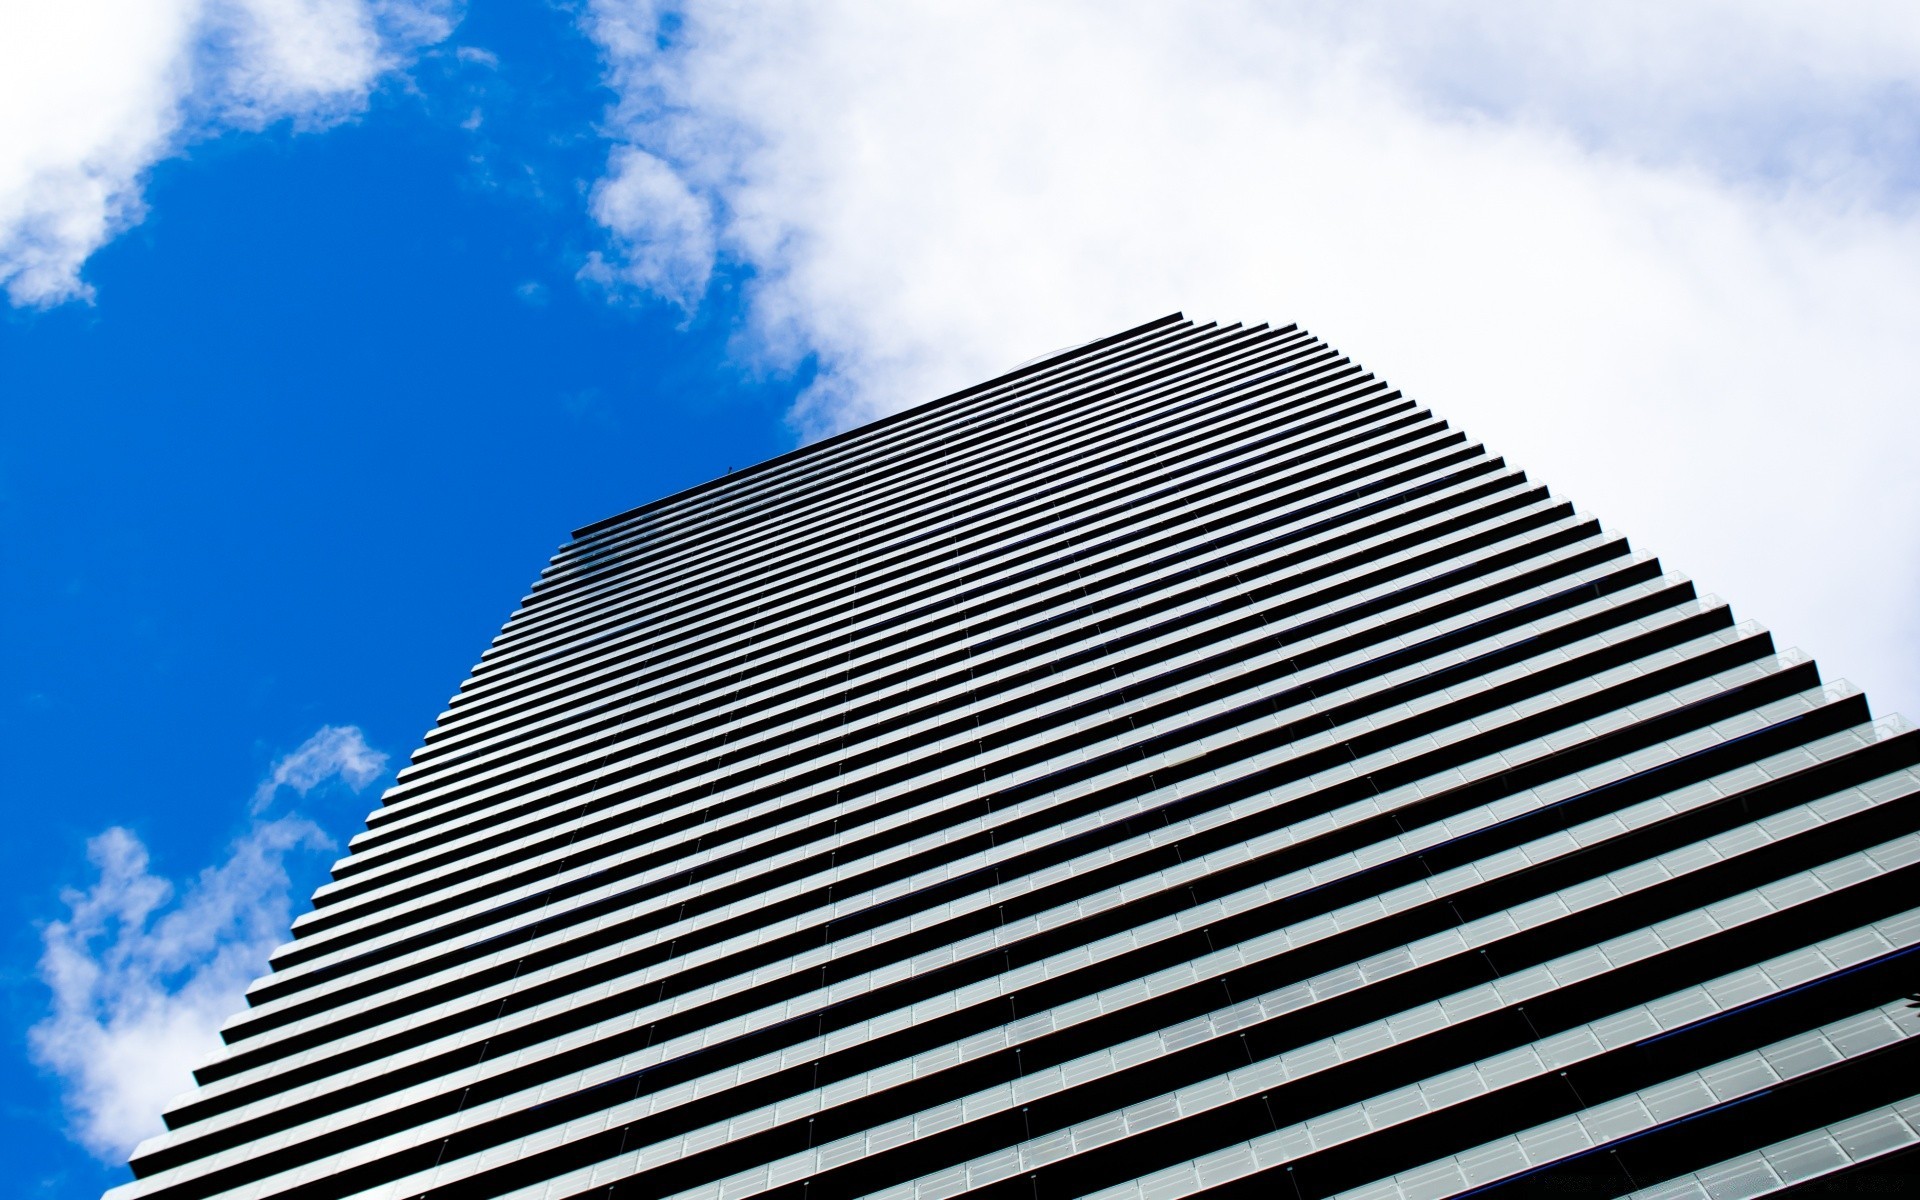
(605,523)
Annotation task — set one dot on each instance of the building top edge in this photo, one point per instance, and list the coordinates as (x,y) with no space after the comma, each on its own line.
(1029,368)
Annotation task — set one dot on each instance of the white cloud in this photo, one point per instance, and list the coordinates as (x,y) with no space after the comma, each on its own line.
(94,92)
(334,752)
(663,232)
(141,982)
(1666,256)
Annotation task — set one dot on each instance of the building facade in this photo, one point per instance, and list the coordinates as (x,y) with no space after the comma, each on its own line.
(1182,766)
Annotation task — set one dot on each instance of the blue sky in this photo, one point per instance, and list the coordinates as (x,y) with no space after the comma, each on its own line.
(320,335)
(296,464)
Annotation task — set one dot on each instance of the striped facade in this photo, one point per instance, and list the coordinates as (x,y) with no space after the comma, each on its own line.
(1182,766)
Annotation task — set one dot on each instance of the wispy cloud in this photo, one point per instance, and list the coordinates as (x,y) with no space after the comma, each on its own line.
(94,92)
(334,752)
(478,55)
(1666,255)
(663,232)
(142,974)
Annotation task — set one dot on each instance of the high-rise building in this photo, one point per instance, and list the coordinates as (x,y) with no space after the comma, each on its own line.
(1178,766)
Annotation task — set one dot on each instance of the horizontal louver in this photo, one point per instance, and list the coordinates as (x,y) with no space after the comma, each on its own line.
(1181,766)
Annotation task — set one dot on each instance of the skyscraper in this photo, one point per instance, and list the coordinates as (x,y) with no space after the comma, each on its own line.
(1178,766)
